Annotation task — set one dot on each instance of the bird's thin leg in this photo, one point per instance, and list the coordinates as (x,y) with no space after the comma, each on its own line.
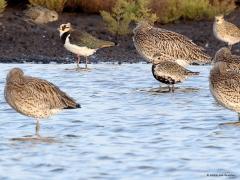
(169,87)
(78,61)
(173,88)
(37,128)
(230,46)
(239,117)
(86,62)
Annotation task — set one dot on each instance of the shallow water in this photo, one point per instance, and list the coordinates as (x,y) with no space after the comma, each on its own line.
(125,129)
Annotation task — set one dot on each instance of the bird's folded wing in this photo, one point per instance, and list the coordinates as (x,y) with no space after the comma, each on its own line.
(48,93)
(232,30)
(82,38)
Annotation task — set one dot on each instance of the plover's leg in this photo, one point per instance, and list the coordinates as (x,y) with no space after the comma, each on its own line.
(86,62)
(173,88)
(239,117)
(37,128)
(230,46)
(169,87)
(78,61)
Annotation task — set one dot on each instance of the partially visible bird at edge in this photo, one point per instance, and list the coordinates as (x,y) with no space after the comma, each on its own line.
(232,62)
(224,82)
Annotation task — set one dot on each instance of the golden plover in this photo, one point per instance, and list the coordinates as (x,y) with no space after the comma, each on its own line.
(41,15)
(157,44)
(225,87)
(232,62)
(81,43)
(170,73)
(226,31)
(35,97)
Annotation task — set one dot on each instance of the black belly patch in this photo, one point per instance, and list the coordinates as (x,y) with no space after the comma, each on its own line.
(166,79)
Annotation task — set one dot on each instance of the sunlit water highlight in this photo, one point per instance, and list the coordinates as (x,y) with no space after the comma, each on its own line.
(124,130)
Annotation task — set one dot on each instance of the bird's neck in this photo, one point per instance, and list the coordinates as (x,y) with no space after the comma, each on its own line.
(64,37)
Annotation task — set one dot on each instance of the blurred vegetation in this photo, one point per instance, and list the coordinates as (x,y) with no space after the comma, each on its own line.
(119,18)
(126,11)
(112,10)
(142,11)
(3,4)
(222,6)
(91,6)
(56,5)
(172,10)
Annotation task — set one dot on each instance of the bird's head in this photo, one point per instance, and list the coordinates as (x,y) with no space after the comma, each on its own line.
(219,19)
(64,28)
(52,16)
(142,25)
(15,74)
(222,55)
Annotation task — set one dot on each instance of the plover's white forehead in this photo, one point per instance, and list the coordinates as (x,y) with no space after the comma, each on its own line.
(219,17)
(65,27)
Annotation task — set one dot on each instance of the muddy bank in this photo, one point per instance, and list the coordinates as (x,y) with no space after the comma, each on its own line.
(21,41)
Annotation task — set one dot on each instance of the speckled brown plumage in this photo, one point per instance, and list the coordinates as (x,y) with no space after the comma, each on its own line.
(226,31)
(35,97)
(232,62)
(170,73)
(157,44)
(225,86)
(41,15)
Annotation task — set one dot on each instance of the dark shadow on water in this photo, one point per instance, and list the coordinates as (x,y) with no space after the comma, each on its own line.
(35,139)
(80,69)
(161,90)
(235,124)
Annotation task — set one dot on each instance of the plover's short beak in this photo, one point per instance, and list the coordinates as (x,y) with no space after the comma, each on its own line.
(58,29)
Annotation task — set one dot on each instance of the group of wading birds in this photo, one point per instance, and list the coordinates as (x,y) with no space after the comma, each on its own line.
(169,53)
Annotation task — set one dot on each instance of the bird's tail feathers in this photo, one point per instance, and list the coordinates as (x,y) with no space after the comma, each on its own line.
(75,106)
(106,44)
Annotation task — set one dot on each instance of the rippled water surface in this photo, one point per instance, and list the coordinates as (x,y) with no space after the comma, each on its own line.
(124,130)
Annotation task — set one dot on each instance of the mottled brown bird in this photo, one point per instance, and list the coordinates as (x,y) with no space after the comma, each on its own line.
(232,62)
(226,31)
(157,44)
(41,15)
(171,73)
(224,85)
(35,97)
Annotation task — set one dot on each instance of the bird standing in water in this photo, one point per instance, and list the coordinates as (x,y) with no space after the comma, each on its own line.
(35,97)
(171,73)
(81,43)
(224,81)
